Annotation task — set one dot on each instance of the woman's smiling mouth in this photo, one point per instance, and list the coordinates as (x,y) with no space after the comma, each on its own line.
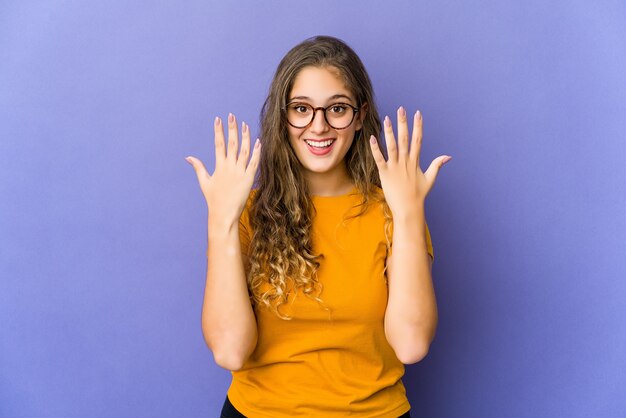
(320,147)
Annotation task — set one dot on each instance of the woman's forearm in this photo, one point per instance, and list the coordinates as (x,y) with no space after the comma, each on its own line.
(228,321)
(411,316)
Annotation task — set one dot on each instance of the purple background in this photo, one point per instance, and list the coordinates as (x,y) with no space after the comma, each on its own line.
(103,226)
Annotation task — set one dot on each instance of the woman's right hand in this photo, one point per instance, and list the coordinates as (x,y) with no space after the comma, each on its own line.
(227,190)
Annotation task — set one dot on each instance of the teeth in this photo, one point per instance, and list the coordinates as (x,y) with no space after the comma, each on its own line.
(320,144)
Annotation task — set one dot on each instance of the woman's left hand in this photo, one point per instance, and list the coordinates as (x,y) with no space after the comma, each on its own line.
(403,182)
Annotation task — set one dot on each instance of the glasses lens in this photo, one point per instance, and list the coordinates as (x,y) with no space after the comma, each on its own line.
(299,115)
(339,115)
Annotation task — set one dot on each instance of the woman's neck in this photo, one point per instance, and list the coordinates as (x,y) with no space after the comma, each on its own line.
(329,184)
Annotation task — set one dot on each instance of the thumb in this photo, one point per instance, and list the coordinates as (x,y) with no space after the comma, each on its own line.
(433,169)
(197,165)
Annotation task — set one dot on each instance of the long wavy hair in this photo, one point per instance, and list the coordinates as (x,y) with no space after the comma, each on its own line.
(281,210)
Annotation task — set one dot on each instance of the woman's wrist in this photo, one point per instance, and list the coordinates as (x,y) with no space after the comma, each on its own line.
(410,213)
(222,227)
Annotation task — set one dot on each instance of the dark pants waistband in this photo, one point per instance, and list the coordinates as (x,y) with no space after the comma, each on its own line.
(229,411)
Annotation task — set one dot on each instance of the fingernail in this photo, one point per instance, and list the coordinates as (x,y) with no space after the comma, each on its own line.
(418,114)
(231,118)
(188,160)
(257,143)
(217,121)
(387,121)
(401,111)
(372,139)
(244,127)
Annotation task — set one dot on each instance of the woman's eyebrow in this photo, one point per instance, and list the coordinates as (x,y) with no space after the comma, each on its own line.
(334,97)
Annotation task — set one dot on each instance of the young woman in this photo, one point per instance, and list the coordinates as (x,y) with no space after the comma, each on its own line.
(319,284)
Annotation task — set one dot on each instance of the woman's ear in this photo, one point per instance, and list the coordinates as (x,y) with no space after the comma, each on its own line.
(361,116)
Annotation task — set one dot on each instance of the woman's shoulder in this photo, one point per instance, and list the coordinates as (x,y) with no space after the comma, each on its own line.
(251,197)
(245,214)
(377,191)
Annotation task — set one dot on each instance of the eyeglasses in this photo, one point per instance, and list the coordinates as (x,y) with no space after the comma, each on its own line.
(337,115)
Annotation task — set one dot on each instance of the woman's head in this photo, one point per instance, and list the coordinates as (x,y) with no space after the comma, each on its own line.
(317,73)
(301,68)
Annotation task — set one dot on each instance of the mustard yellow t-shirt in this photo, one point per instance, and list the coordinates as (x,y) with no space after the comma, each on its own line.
(321,364)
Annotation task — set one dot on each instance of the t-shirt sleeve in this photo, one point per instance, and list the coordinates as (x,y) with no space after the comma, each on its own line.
(427,238)
(245,231)
(429,243)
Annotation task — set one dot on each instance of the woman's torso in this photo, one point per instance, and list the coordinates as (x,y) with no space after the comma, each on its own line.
(333,363)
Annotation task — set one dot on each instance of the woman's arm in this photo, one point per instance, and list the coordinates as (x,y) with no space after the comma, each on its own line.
(228,321)
(411,315)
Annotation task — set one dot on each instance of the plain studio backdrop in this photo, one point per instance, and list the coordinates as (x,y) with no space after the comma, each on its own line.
(103,225)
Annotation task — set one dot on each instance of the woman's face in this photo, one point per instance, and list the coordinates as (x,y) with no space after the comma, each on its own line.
(320,148)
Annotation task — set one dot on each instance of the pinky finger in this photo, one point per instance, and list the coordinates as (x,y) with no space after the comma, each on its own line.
(378,155)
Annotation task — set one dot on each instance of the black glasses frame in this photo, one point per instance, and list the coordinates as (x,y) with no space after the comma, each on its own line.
(323,109)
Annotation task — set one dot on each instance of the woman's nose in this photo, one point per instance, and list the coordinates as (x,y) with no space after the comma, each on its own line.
(319,122)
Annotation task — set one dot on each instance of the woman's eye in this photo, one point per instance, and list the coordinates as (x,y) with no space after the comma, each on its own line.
(338,108)
(301,108)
